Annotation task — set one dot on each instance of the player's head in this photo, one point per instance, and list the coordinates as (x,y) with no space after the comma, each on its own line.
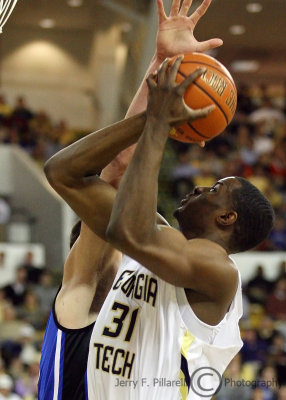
(232,212)
(75,233)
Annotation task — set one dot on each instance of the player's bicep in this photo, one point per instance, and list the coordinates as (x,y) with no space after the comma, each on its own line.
(163,254)
(197,264)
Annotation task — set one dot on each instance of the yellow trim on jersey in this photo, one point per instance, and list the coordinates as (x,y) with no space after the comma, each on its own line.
(184,390)
(187,341)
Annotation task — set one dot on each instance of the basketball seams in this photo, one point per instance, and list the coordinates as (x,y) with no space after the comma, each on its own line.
(203,90)
(214,67)
(216,103)
(197,132)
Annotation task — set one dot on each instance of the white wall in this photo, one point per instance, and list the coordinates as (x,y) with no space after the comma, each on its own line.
(247,263)
(6,182)
(72,75)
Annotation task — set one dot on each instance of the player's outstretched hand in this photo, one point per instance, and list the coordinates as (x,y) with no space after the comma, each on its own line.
(166,98)
(176,32)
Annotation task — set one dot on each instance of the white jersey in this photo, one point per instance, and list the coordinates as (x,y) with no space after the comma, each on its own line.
(147,343)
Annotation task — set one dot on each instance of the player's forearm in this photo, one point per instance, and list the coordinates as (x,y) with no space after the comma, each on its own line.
(113,172)
(133,216)
(139,103)
(89,155)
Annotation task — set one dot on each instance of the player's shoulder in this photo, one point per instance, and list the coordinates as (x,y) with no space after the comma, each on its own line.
(212,251)
(203,243)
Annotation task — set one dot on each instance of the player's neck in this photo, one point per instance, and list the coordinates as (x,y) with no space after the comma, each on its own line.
(213,237)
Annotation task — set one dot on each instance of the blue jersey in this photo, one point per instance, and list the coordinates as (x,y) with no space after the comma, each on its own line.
(64,362)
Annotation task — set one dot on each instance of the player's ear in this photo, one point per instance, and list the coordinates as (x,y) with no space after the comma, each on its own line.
(226,218)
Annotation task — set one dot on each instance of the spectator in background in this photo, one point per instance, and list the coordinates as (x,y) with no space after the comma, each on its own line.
(268,116)
(277,237)
(21,116)
(259,177)
(10,327)
(254,350)
(5,110)
(63,133)
(33,272)
(266,330)
(244,104)
(276,302)
(262,143)
(278,163)
(182,174)
(258,287)
(257,394)
(45,292)
(6,388)
(16,291)
(277,356)
(282,271)
(268,383)
(206,176)
(30,311)
(3,304)
(26,385)
(244,144)
(27,340)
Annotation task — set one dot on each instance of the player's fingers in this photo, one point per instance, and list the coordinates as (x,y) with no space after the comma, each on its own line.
(209,44)
(185,7)
(191,78)
(175,8)
(200,11)
(175,68)
(202,144)
(202,112)
(161,11)
(162,72)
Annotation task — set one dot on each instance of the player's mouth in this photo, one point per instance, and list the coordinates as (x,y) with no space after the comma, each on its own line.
(184,201)
(187,198)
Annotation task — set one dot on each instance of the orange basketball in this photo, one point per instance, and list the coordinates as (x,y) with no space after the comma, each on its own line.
(214,86)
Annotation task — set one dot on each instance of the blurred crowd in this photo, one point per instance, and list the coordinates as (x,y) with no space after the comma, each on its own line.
(33,131)
(25,304)
(254,146)
(258,372)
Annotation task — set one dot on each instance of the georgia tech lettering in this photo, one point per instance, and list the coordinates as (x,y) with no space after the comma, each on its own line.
(140,287)
(121,322)
(116,361)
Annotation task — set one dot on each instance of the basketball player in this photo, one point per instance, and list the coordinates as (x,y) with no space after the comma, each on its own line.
(90,267)
(174,307)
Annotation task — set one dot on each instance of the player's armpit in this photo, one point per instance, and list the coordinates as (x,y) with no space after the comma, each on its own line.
(198,264)
(89,271)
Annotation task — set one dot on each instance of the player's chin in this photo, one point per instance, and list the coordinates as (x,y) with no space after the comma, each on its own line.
(176,213)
